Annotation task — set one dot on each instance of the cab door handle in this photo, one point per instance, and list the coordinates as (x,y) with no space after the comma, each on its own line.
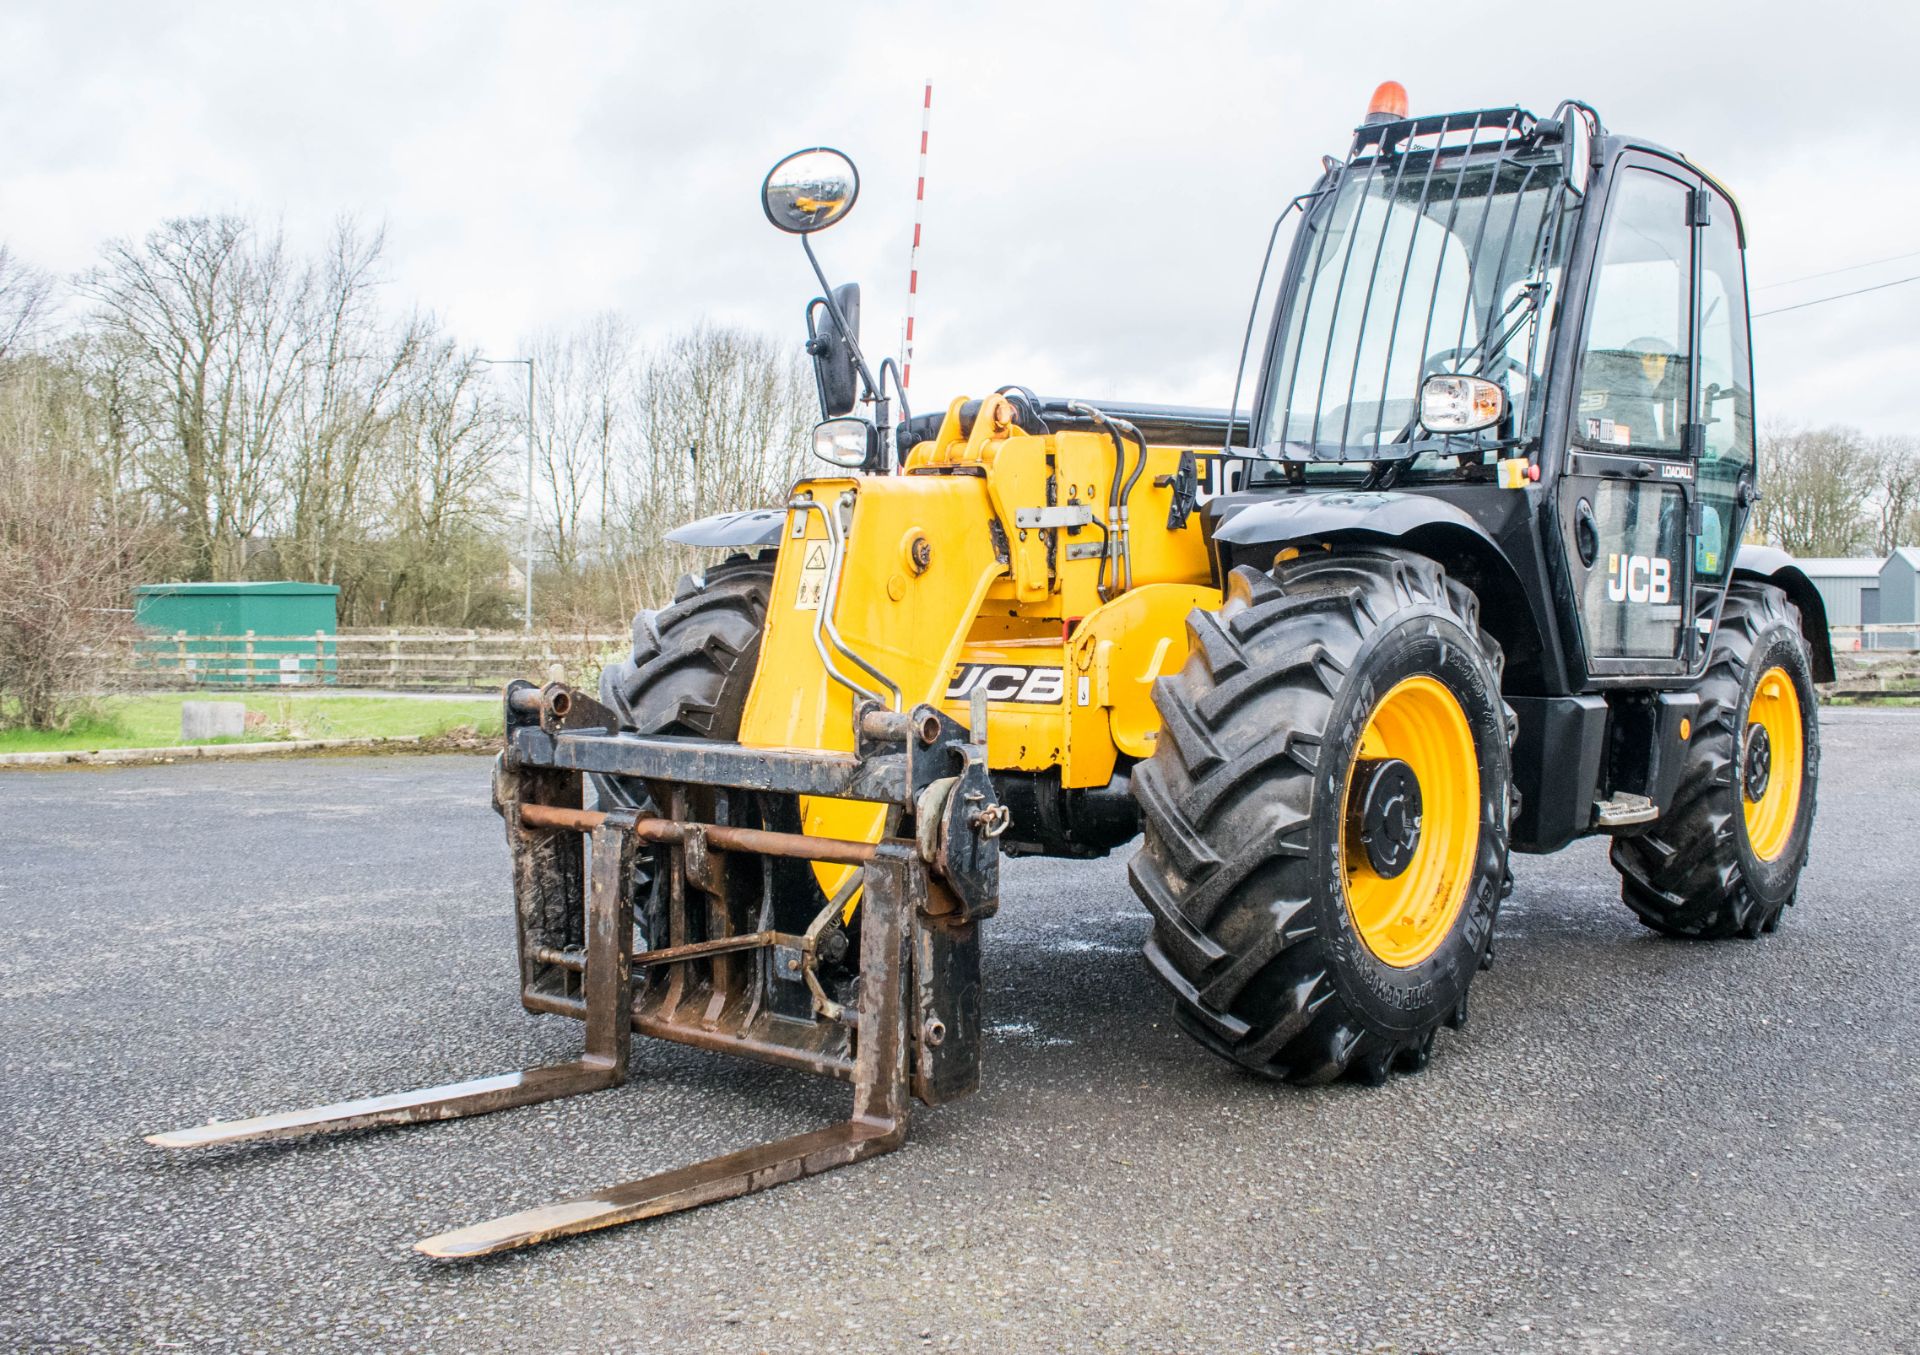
(1586,533)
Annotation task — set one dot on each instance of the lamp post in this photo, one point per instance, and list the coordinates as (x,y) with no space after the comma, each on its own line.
(528,506)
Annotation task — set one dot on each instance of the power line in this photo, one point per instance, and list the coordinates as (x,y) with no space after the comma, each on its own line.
(1837,296)
(1850,268)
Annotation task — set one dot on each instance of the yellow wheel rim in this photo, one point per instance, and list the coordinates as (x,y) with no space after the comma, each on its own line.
(1772,764)
(1403,917)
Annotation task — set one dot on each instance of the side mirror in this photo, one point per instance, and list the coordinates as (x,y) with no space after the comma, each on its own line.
(1461,404)
(809,190)
(831,348)
(852,444)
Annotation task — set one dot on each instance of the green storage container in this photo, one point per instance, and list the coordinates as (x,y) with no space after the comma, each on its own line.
(239,634)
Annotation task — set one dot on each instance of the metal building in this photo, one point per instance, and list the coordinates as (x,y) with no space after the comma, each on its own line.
(244,633)
(1850,586)
(1900,587)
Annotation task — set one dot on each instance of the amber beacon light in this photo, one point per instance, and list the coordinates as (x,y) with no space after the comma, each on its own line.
(1389,103)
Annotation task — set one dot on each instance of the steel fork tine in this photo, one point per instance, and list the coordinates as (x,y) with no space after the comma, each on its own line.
(604,1064)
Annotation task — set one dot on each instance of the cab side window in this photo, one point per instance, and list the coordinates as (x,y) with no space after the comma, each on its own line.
(1634,370)
(1726,390)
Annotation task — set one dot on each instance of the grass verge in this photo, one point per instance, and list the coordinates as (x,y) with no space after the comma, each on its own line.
(154,721)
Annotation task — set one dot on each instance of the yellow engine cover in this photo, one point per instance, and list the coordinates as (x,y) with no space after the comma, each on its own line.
(948,584)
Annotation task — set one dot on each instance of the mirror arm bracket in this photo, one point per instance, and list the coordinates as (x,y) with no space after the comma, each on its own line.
(853,341)
(876,392)
(889,365)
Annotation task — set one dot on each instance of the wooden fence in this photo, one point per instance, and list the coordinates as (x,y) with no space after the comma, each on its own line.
(405,660)
(479,660)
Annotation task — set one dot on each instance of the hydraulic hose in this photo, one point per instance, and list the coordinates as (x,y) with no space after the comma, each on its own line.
(1126,495)
(1085,410)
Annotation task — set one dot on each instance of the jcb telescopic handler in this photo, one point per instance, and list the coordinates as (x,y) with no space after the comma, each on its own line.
(1468,580)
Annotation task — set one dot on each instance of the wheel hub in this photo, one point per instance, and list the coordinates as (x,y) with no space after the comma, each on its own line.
(1759,762)
(1384,811)
(1410,822)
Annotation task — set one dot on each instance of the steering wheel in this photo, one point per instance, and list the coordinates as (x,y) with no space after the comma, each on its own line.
(1440,362)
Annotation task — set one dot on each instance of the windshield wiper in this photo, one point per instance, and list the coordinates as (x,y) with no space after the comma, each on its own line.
(1531,296)
(1528,302)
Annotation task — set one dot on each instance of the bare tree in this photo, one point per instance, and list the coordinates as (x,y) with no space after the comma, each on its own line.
(68,560)
(723,423)
(1897,500)
(445,496)
(266,406)
(1817,484)
(254,385)
(201,314)
(345,394)
(585,413)
(26,299)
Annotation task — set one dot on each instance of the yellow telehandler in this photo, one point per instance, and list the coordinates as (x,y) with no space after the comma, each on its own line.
(1468,580)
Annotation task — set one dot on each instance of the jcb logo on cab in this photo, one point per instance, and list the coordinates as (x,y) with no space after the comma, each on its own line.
(1639,578)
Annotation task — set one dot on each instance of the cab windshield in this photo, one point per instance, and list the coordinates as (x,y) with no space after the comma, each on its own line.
(1427,260)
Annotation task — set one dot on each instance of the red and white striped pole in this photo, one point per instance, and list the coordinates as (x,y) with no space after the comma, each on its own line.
(913,258)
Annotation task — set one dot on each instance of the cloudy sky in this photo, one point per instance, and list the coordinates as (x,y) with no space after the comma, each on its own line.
(1102,179)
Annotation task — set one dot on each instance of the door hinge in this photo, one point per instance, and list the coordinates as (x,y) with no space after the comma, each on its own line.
(1185,483)
(1699,208)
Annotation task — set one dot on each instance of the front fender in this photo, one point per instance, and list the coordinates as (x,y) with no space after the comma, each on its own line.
(1251,528)
(1770,564)
(749,528)
(1385,513)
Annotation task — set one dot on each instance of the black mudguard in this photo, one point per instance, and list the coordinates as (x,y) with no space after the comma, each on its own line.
(746,530)
(1770,564)
(1484,551)
(1275,520)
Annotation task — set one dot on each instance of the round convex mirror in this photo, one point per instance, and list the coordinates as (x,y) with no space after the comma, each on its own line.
(810,190)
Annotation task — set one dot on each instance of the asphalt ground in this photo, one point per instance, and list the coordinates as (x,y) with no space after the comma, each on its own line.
(1636,1144)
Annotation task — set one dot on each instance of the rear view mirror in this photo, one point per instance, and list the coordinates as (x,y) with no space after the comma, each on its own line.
(809,190)
(831,348)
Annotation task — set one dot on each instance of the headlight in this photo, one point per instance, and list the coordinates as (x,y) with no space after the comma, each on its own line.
(844,442)
(1461,404)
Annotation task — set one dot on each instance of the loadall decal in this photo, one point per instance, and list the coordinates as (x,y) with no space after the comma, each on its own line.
(1008,682)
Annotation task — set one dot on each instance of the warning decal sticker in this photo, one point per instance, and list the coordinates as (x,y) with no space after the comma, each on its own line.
(813,578)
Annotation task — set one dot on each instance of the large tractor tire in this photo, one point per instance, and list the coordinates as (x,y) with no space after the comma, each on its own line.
(692,662)
(1326,815)
(1725,859)
(690,672)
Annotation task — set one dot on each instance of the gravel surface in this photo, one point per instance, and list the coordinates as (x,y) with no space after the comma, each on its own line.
(1635,1144)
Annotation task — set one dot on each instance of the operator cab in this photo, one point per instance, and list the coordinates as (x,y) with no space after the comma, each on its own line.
(1542,327)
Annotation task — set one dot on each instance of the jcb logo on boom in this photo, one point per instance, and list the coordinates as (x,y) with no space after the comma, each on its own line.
(1007,682)
(1639,578)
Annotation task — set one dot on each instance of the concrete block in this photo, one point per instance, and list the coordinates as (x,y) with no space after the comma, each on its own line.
(212,720)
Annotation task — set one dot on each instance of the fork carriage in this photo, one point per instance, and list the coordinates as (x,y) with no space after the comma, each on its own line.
(742,953)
